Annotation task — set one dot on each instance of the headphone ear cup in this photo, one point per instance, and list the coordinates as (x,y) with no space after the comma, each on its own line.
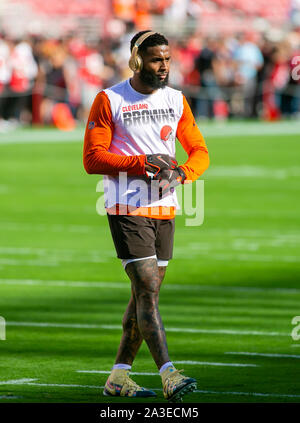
(139,63)
(132,61)
(135,61)
(132,64)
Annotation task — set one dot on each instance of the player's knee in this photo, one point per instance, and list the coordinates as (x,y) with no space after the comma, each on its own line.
(129,323)
(149,296)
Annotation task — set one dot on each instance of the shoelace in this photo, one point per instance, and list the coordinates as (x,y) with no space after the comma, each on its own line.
(173,377)
(130,384)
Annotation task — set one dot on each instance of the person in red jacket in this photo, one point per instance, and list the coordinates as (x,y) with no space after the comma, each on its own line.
(131,130)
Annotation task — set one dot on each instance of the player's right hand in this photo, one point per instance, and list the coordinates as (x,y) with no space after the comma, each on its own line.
(155,163)
(169,179)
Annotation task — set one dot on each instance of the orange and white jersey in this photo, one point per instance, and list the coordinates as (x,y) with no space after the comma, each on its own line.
(123,127)
(141,120)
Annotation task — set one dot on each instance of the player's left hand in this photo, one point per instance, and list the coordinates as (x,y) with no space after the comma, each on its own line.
(170,178)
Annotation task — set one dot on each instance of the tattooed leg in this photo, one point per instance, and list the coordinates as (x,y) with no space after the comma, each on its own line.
(132,339)
(146,281)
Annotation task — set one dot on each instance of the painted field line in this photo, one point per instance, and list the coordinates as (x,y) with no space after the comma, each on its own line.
(41,227)
(208,363)
(252,172)
(14,262)
(197,363)
(118,327)
(71,284)
(64,385)
(108,372)
(125,285)
(208,232)
(227,332)
(40,136)
(263,354)
(51,261)
(16,381)
(255,258)
(62,325)
(57,385)
(185,255)
(221,130)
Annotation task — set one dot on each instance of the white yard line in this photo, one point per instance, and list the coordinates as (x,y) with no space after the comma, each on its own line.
(244,171)
(254,354)
(14,262)
(50,261)
(250,257)
(16,381)
(125,285)
(223,129)
(220,130)
(227,332)
(64,385)
(208,363)
(40,136)
(186,254)
(108,372)
(57,385)
(41,227)
(71,284)
(118,327)
(9,397)
(195,363)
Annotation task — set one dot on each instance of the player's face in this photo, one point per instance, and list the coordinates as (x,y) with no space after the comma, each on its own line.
(156,66)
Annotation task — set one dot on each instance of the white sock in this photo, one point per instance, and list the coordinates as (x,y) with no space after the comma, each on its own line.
(165,366)
(121,366)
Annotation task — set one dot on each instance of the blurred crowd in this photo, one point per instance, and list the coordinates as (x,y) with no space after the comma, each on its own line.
(246,74)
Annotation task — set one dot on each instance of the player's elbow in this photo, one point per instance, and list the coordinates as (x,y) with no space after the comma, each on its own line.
(199,167)
(206,162)
(88,165)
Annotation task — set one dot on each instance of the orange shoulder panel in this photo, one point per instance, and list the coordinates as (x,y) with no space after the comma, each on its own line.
(97,140)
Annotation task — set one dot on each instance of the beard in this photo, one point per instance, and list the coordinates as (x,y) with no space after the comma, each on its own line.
(152,80)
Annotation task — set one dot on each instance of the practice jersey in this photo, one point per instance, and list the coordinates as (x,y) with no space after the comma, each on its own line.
(123,127)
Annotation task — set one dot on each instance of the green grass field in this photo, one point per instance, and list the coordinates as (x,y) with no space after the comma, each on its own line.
(228,298)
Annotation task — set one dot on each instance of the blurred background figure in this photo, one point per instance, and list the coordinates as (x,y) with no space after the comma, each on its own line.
(232,59)
(249,60)
(5,76)
(23,73)
(206,67)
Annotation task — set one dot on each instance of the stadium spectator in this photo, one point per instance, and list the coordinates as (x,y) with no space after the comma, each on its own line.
(23,73)
(18,73)
(5,75)
(249,61)
(52,78)
(226,73)
(206,66)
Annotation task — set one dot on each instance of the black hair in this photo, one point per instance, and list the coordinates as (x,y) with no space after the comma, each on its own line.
(153,40)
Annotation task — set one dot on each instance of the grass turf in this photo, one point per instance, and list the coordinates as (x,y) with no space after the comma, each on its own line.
(235,279)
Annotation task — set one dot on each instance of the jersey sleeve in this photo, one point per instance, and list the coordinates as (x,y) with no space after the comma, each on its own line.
(97,139)
(193,143)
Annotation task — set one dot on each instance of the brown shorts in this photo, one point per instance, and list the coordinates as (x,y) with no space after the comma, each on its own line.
(138,236)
